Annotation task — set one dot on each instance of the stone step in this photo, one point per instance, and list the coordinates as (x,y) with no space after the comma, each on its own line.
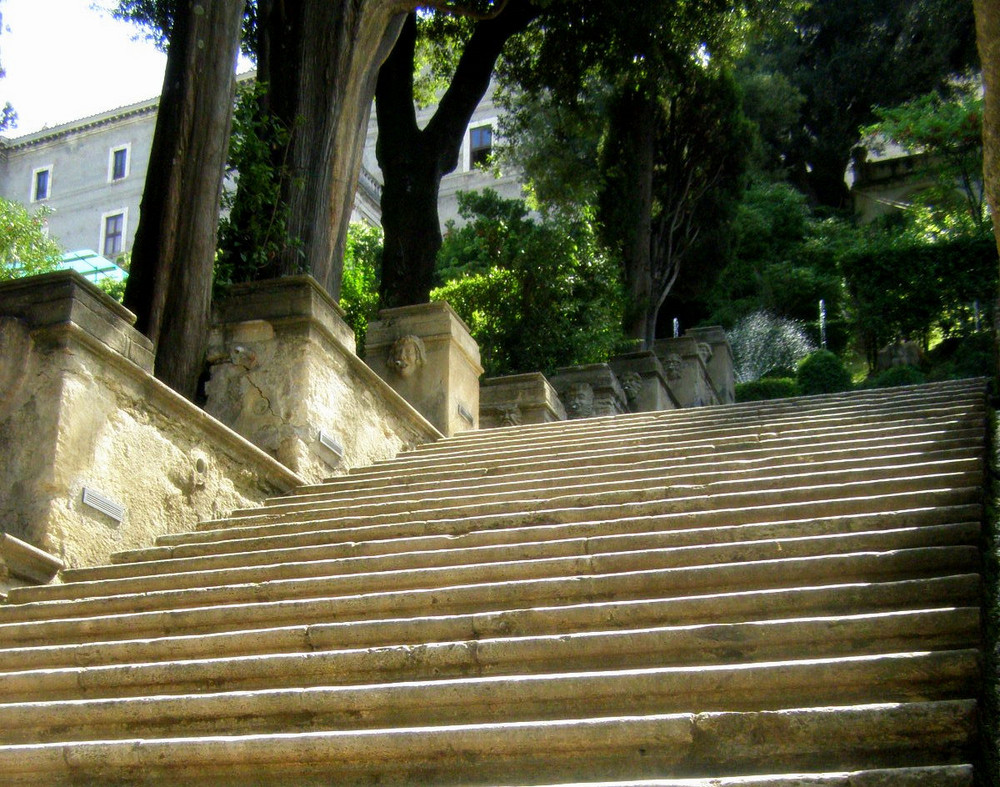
(932,776)
(621,575)
(636,460)
(775,436)
(908,405)
(707,475)
(885,489)
(641,551)
(147,671)
(710,744)
(615,518)
(473,612)
(897,677)
(172,560)
(966,442)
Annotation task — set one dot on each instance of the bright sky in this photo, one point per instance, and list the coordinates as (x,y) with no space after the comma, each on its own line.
(65,60)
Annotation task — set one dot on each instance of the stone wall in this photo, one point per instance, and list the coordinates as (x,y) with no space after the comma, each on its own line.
(82,417)
(284,374)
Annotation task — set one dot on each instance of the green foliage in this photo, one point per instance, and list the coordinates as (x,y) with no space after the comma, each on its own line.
(116,289)
(906,289)
(899,375)
(781,261)
(359,285)
(957,358)
(946,127)
(823,372)
(766,388)
(252,234)
(25,249)
(536,293)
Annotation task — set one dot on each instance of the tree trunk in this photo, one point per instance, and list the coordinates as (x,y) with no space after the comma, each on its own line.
(988,41)
(170,283)
(627,207)
(323,61)
(413,161)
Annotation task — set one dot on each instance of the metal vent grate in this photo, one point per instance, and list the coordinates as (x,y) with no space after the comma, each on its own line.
(464,412)
(103,504)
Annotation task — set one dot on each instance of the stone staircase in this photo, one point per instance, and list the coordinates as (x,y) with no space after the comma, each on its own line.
(782,593)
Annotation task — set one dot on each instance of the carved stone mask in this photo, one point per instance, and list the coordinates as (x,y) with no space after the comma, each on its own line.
(632,385)
(406,355)
(579,400)
(674,364)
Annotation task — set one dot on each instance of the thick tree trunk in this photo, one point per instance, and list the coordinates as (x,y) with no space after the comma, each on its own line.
(170,283)
(323,61)
(988,41)
(413,161)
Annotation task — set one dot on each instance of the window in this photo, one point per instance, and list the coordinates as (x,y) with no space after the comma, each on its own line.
(480,145)
(118,163)
(113,234)
(41,184)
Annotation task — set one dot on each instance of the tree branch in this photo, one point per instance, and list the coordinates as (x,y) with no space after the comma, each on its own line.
(457,10)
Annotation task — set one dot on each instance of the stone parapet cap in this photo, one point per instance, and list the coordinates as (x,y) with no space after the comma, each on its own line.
(23,561)
(645,362)
(714,335)
(284,301)
(430,321)
(526,390)
(56,299)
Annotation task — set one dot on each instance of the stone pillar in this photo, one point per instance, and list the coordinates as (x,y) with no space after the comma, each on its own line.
(518,399)
(591,390)
(97,455)
(685,362)
(428,356)
(284,374)
(644,381)
(720,365)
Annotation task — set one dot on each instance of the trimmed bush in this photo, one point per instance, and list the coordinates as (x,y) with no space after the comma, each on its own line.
(899,375)
(766,388)
(823,372)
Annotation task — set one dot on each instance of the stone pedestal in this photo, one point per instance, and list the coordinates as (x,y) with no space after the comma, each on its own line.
(644,382)
(284,375)
(588,391)
(720,365)
(685,361)
(518,399)
(97,455)
(428,356)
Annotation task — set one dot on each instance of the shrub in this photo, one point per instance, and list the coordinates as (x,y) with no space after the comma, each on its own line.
(899,375)
(823,372)
(766,388)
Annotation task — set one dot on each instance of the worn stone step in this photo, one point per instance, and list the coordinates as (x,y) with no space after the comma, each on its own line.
(931,776)
(640,551)
(508,609)
(715,471)
(968,442)
(629,574)
(897,677)
(913,404)
(881,494)
(616,518)
(128,670)
(768,436)
(630,462)
(723,479)
(171,560)
(608,748)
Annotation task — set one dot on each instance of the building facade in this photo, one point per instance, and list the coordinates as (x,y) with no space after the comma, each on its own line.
(90,174)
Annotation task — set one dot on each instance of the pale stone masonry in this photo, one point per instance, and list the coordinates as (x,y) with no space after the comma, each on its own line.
(428,356)
(82,421)
(284,374)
